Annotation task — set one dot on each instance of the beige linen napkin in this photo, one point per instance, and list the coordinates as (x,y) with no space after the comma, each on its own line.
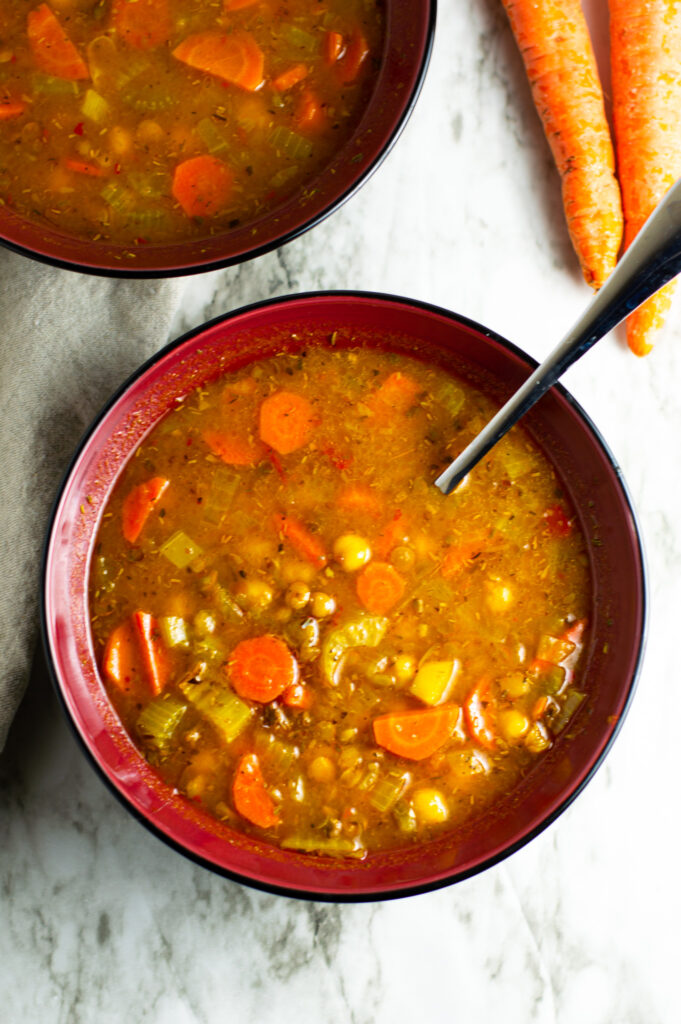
(67,341)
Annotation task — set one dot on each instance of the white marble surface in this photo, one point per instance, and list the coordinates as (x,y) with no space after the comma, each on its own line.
(100,922)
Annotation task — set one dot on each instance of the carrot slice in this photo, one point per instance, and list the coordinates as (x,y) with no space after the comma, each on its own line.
(11,108)
(553,38)
(397,394)
(202,185)
(138,504)
(309,115)
(286,421)
(234,57)
(83,167)
(251,798)
(261,668)
(476,712)
(645,42)
(416,734)
(360,498)
(152,651)
(53,51)
(121,662)
(379,587)
(333,47)
(391,535)
(350,64)
(307,544)
(234,449)
(287,79)
(142,24)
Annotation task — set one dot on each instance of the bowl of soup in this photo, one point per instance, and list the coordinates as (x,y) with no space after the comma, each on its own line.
(295,660)
(158,137)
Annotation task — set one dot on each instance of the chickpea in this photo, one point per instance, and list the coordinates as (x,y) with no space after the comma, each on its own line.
(297,595)
(120,141)
(513,724)
(499,596)
(537,739)
(429,806)
(405,668)
(149,133)
(403,557)
(294,571)
(254,593)
(322,769)
(515,685)
(352,551)
(322,604)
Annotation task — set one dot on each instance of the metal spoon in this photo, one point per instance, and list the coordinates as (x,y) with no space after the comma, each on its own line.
(653,258)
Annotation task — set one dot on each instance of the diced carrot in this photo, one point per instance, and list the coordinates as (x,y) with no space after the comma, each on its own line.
(416,734)
(350,64)
(53,51)
(333,47)
(360,497)
(539,707)
(84,167)
(121,662)
(379,587)
(309,115)
(557,521)
(234,57)
(476,711)
(138,504)
(251,798)
(261,668)
(152,650)
(234,449)
(297,696)
(142,24)
(397,394)
(11,108)
(238,5)
(287,79)
(286,421)
(391,535)
(202,185)
(307,544)
(461,556)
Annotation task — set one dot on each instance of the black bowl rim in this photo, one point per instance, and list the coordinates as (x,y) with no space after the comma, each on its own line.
(456,876)
(259,250)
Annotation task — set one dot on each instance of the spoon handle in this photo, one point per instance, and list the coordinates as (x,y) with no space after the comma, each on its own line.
(653,258)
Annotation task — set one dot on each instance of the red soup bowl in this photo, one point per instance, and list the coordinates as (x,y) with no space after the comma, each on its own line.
(588,473)
(408,37)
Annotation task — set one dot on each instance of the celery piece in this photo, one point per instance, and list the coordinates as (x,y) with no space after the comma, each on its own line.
(180,549)
(434,681)
(572,702)
(388,790)
(283,176)
(150,186)
(405,816)
(46,85)
(450,395)
(363,631)
(209,648)
(298,38)
(223,488)
(174,631)
(280,756)
(95,107)
(144,100)
(336,846)
(220,706)
(117,196)
(213,139)
(159,720)
(515,460)
(205,622)
(290,143)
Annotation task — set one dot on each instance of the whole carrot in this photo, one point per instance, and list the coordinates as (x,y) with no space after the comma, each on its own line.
(554,42)
(645,53)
